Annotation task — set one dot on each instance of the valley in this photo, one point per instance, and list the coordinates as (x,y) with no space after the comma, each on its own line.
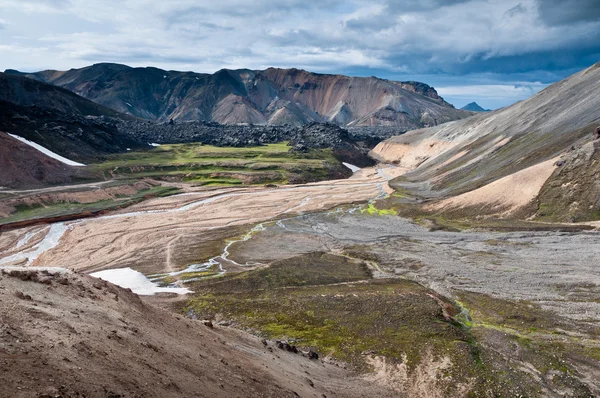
(144,258)
(287,263)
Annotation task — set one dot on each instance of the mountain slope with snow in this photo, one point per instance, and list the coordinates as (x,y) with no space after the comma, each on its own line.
(24,166)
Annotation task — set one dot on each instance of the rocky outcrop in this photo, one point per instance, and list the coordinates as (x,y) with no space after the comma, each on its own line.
(72,335)
(272,96)
(572,193)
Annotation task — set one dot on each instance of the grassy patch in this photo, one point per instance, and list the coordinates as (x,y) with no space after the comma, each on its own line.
(209,165)
(533,338)
(43,210)
(522,316)
(372,210)
(329,303)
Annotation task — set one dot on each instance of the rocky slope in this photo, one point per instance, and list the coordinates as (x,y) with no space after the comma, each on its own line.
(60,121)
(69,335)
(463,156)
(273,96)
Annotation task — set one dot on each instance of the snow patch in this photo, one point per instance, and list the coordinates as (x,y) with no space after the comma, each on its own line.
(47,152)
(351,167)
(25,239)
(153,144)
(129,104)
(136,281)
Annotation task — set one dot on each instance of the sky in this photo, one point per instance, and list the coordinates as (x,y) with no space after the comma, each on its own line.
(494,52)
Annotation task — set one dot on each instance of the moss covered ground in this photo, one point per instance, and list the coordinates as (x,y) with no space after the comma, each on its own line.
(331,304)
(210,165)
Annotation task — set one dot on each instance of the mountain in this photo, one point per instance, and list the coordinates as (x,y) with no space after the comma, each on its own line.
(474,107)
(272,96)
(60,120)
(538,155)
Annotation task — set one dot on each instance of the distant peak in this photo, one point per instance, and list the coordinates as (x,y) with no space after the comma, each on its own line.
(474,107)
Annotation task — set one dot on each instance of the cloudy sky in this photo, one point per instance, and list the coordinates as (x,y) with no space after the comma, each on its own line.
(494,52)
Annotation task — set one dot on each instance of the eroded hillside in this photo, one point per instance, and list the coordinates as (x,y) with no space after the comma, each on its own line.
(272,96)
(461,160)
(69,335)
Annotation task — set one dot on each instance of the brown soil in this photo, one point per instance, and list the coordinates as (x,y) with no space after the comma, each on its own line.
(25,167)
(505,196)
(70,335)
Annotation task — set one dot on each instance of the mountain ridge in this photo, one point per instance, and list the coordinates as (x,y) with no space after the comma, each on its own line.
(464,158)
(61,120)
(272,96)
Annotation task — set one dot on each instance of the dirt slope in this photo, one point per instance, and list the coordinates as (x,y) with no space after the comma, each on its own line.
(461,156)
(25,167)
(273,96)
(70,335)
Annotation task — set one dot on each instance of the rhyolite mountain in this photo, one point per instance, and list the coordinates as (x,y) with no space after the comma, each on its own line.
(474,107)
(272,96)
(557,131)
(22,166)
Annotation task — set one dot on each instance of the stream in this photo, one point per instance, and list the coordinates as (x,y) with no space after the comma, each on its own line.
(127,277)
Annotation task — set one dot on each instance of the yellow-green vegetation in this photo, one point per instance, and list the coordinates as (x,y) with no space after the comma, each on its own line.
(55,209)
(521,316)
(372,210)
(331,304)
(464,220)
(210,165)
(402,193)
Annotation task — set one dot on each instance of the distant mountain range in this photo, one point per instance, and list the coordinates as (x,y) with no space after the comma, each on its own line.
(474,107)
(272,96)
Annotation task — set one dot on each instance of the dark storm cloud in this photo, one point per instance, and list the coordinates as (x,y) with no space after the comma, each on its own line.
(419,5)
(566,12)
(509,40)
(391,10)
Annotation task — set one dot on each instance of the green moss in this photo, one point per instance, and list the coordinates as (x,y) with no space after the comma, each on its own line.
(342,320)
(329,303)
(372,210)
(208,165)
